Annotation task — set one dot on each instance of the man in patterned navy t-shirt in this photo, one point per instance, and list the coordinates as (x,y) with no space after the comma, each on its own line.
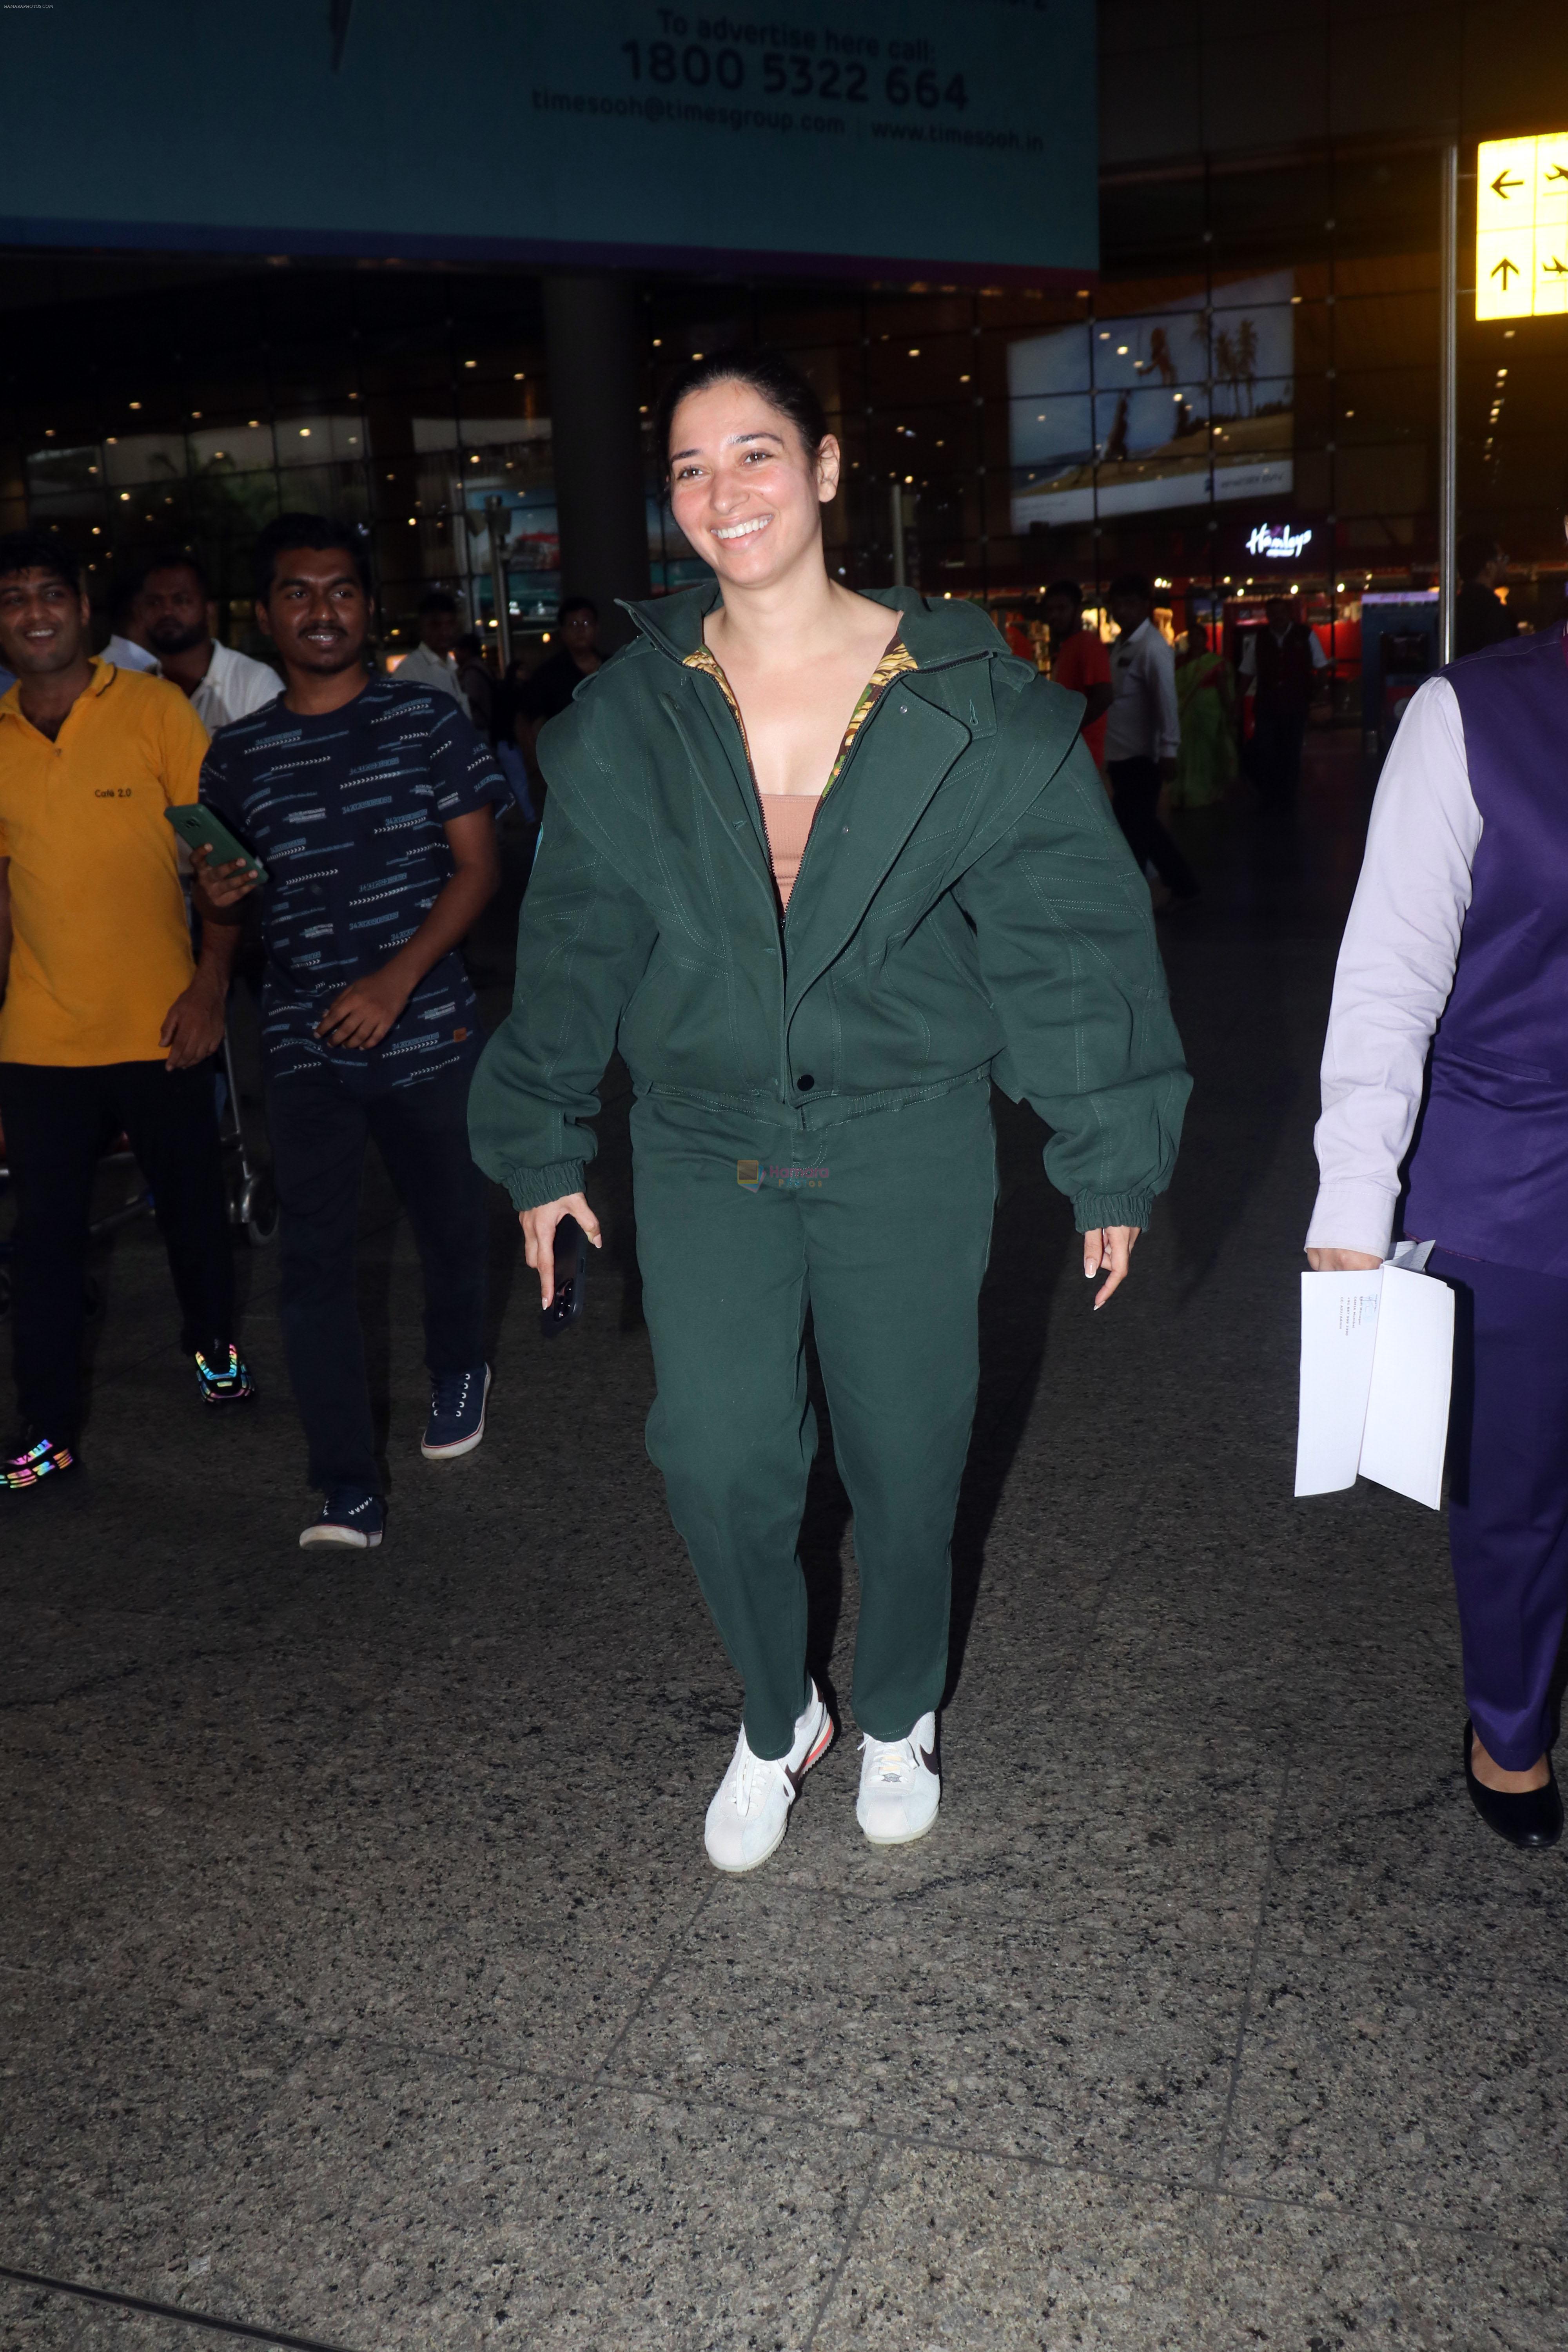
(372,806)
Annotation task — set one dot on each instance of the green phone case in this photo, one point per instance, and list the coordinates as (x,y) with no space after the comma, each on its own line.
(202,828)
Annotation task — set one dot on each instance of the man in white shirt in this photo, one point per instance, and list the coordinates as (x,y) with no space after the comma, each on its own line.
(1446,1113)
(431,662)
(124,648)
(1279,666)
(169,615)
(1143,734)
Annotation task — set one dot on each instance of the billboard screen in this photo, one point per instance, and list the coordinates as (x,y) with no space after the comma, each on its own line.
(1189,400)
(935,137)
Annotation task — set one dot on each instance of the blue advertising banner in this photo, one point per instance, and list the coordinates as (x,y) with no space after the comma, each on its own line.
(922,138)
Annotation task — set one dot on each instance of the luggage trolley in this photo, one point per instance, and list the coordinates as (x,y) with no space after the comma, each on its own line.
(248,1194)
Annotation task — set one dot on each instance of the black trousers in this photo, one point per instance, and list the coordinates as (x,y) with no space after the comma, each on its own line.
(321,1121)
(58,1119)
(1135,797)
(1277,739)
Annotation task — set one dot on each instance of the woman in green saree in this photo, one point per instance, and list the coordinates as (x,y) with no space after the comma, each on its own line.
(1205,697)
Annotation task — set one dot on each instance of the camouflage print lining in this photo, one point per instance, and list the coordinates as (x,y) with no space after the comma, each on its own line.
(893,664)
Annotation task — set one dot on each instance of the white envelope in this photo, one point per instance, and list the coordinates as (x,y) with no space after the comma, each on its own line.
(1377,1361)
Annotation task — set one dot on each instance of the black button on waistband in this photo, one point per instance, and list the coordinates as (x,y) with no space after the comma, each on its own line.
(805,1082)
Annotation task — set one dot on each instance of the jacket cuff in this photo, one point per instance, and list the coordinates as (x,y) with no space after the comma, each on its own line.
(1090,1210)
(1354,1214)
(531,1187)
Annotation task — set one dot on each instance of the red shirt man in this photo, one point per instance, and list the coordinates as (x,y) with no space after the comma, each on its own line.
(1080,660)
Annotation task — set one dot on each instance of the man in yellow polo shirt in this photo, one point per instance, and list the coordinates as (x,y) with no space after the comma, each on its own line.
(106,1023)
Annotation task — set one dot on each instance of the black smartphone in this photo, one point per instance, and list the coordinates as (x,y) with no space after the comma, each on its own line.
(571,1276)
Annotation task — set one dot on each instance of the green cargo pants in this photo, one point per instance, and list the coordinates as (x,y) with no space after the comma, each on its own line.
(880,1225)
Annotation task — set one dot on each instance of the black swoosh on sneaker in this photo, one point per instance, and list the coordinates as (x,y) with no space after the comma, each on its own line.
(929,1761)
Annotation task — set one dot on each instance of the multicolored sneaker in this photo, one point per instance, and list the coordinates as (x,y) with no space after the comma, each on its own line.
(456,1420)
(224,1383)
(34,1461)
(350,1516)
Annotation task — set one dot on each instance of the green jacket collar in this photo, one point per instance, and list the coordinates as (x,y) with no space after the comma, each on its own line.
(936,631)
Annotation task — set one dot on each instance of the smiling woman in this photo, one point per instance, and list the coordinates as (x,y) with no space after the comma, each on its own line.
(817,863)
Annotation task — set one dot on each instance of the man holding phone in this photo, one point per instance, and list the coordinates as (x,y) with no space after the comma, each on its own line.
(371,804)
(106,1020)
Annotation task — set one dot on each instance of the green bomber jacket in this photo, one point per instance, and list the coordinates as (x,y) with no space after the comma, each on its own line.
(965,906)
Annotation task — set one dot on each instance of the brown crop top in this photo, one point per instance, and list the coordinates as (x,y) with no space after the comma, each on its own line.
(789,816)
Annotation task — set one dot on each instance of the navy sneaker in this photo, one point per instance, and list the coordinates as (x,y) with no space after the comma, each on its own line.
(33,1462)
(223,1378)
(350,1516)
(456,1420)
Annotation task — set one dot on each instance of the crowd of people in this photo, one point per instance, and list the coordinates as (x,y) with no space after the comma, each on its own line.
(823,866)
(1172,724)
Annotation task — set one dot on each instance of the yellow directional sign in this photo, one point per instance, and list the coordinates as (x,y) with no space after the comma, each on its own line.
(1521,227)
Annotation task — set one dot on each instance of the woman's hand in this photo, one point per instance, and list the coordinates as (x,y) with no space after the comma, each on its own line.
(1338,1261)
(1109,1250)
(539,1236)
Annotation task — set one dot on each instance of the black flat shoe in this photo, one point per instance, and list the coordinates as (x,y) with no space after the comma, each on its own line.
(1531,1817)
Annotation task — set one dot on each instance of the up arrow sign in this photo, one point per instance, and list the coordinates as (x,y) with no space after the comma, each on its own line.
(1504,186)
(1504,266)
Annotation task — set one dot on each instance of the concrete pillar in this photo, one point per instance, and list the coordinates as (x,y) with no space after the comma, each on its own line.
(593,346)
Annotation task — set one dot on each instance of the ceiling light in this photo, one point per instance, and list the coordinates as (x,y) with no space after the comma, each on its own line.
(135,404)
(304,432)
(197,416)
(915,351)
(470,364)
(254,422)
(964,379)
(1121,350)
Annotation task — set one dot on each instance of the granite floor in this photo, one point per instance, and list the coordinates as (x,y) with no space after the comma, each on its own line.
(362,1983)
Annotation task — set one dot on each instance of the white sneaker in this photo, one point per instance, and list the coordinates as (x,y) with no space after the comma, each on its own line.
(750,1812)
(899,1788)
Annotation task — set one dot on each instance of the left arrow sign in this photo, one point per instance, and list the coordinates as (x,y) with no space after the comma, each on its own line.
(1503,185)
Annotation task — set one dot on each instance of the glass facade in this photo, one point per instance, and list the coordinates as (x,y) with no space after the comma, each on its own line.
(1247,399)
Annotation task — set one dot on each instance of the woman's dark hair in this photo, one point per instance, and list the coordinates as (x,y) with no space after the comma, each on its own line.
(312,531)
(40,551)
(777,379)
